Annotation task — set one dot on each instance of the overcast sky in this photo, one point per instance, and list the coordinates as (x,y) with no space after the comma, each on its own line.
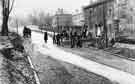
(23,7)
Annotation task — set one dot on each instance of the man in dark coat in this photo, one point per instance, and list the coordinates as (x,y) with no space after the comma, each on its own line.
(112,41)
(54,38)
(61,38)
(79,42)
(73,39)
(24,31)
(58,39)
(45,37)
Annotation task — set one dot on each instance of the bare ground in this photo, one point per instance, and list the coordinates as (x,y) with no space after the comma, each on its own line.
(52,71)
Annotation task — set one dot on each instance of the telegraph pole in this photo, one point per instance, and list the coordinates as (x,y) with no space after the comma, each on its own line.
(17,25)
(58,22)
(105,28)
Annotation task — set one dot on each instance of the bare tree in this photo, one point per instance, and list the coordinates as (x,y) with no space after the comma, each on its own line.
(33,19)
(48,19)
(40,19)
(7,6)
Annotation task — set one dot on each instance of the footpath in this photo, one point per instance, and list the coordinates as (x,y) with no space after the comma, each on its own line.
(104,58)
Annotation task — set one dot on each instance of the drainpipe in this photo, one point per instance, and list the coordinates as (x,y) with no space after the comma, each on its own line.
(17,25)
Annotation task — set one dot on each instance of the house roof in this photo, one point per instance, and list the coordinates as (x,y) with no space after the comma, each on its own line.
(97,3)
(63,14)
(77,14)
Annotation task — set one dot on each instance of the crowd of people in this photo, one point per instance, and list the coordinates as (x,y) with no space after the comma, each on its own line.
(58,38)
(74,37)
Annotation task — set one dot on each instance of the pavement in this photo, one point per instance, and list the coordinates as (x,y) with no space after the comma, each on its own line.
(104,58)
(115,71)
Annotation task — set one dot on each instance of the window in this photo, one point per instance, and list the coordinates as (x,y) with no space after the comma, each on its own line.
(110,12)
(90,11)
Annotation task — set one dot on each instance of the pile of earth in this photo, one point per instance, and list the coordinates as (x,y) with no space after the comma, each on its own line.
(16,62)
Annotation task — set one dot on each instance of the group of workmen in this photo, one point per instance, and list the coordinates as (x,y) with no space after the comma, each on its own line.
(60,37)
(74,37)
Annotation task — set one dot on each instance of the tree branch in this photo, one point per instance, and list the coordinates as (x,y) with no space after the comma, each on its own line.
(3,4)
(11,6)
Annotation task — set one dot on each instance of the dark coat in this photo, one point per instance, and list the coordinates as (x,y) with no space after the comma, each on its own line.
(26,31)
(45,36)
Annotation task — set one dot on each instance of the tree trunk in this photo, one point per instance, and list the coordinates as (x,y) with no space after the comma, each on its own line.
(4,30)
(5,26)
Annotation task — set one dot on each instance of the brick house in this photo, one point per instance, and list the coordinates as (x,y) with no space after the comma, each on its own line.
(61,21)
(101,12)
